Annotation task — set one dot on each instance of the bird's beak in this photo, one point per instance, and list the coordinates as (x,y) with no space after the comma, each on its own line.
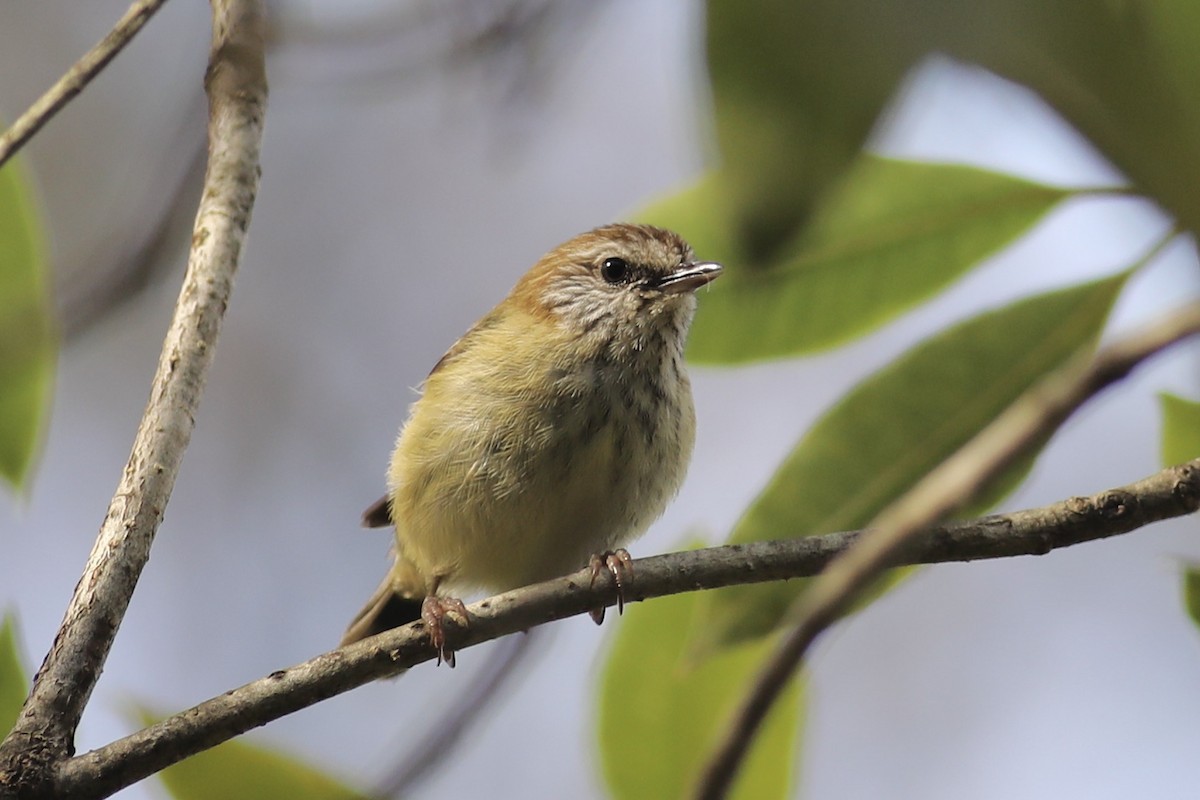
(689,277)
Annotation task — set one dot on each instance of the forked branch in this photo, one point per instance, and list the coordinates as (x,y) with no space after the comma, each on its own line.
(236,82)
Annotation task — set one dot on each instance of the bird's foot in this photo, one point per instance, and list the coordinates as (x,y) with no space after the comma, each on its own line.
(617,563)
(434,611)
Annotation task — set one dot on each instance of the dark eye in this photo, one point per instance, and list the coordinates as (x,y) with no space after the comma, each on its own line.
(614,270)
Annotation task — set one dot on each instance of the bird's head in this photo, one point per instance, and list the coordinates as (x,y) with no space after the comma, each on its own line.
(621,283)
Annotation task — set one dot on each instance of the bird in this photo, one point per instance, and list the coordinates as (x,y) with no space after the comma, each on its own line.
(551,434)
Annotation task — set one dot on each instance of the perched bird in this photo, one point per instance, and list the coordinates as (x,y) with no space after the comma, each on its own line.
(556,429)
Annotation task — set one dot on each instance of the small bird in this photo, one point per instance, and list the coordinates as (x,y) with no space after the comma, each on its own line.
(553,432)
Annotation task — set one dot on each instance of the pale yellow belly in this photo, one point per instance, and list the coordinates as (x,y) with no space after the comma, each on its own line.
(526,502)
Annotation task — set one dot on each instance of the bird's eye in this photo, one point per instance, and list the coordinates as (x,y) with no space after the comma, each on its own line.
(614,270)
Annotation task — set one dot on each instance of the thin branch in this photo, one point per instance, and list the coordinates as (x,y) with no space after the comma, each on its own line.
(76,78)
(1171,493)
(87,293)
(1028,421)
(439,743)
(236,84)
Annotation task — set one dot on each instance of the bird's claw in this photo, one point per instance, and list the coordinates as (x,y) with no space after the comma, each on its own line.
(617,563)
(434,611)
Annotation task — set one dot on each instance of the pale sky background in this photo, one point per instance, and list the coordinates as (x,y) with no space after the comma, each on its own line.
(396,211)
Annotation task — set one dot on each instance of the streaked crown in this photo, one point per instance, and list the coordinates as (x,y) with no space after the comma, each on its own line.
(620,280)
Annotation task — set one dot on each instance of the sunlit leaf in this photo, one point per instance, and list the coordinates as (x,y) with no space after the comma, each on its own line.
(14,677)
(27,341)
(891,236)
(894,427)
(660,712)
(1181,429)
(236,770)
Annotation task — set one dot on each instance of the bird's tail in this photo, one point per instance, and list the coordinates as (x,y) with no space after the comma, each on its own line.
(386,609)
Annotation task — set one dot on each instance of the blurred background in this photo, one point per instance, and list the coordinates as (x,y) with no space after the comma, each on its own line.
(418,158)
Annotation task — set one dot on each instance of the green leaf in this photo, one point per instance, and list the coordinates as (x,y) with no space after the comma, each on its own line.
(14,677)
(1191,593)
(898,424)
(796,90)
(1181,429)
(239,771)
(27,340)
(660,712)
(1124,73)
(891,236)
(798,86)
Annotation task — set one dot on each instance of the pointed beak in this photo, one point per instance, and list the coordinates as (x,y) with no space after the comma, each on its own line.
(689,277)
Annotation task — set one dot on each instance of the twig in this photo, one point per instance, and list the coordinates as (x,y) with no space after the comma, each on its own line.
(450,726)
(236,84)
(1029,420)
(88,295)
(77,77)
(1171,493)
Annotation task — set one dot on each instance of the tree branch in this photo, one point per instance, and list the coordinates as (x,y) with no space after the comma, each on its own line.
(439,743)
(76,78)
(236,84)
(955,482)
(1171,493)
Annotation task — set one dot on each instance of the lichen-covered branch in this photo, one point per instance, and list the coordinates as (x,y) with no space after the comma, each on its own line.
(236,82)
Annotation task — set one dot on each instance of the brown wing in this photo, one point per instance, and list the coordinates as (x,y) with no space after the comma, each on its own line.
(384,611)
(489,320)
(378,515)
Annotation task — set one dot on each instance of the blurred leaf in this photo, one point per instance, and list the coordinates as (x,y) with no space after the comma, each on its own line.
(660,712)
(798,86)
(27,341)
(890,430)
(1191,593)
(1181,429)
(239,771)
(892,235)
(796,89)
(1126,74)
(14,677)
